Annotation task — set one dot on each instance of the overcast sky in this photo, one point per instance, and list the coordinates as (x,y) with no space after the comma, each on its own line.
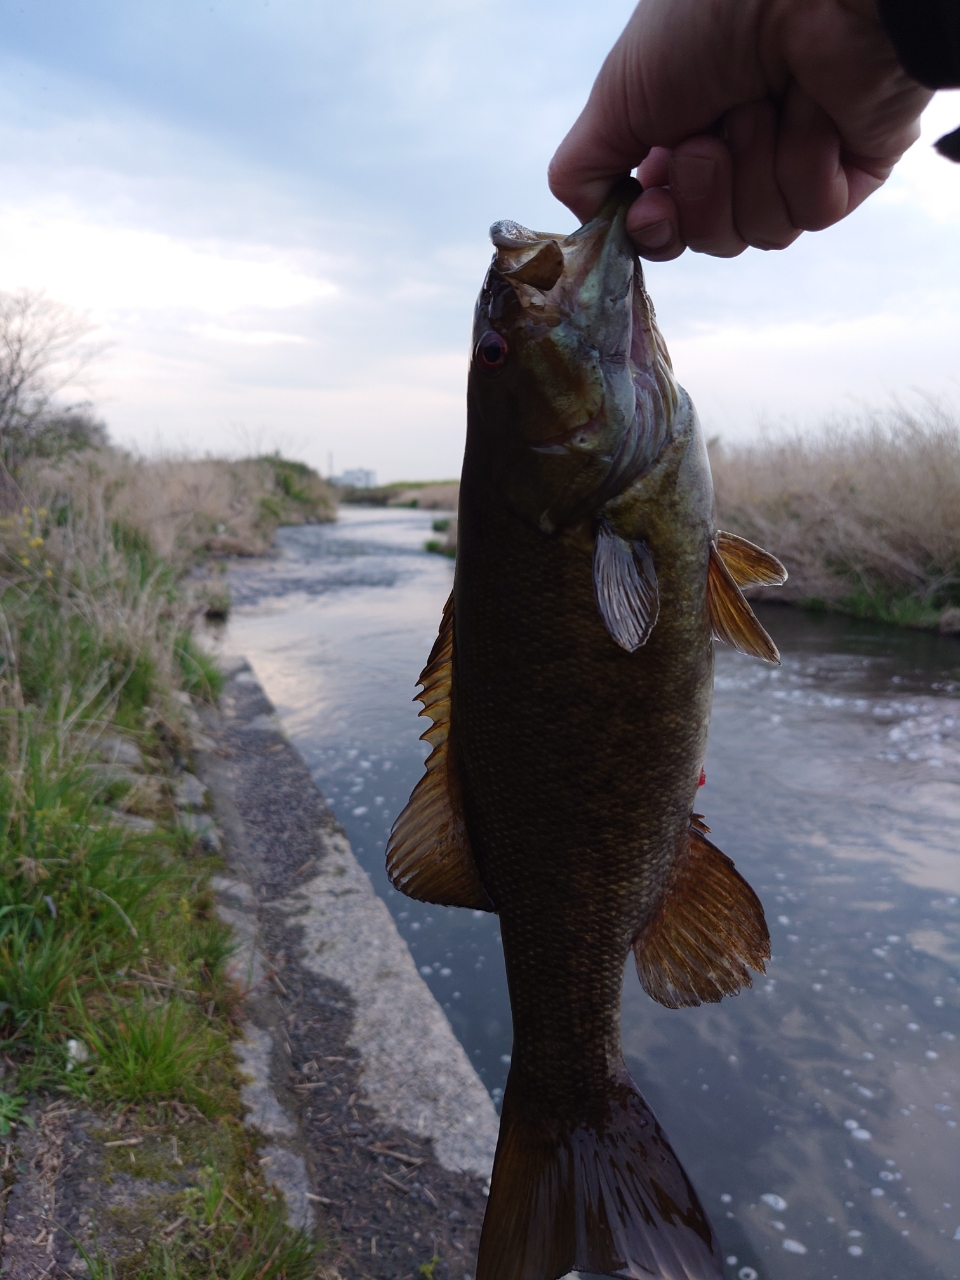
(277,214)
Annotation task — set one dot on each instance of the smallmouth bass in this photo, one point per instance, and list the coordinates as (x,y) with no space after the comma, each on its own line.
(570,690)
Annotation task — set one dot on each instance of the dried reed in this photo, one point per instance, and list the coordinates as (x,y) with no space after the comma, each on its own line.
(865,515)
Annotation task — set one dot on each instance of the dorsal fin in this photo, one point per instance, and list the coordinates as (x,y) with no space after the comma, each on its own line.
(428,853)
(749,565)
(708,929)
(732,618)
(625,584)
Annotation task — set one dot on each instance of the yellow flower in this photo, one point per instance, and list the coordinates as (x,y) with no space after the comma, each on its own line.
(25,560)
(41,511)
(35,542)
(48,572)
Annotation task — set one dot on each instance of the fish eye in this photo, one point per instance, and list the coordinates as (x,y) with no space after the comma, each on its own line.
(492,351)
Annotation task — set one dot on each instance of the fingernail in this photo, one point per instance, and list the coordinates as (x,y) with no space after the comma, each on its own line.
(656,236)
(694,176)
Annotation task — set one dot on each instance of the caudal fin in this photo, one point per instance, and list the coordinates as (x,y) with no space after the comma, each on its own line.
(607,1196)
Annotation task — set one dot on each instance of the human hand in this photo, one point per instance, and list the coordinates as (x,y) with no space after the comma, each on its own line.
(748,121)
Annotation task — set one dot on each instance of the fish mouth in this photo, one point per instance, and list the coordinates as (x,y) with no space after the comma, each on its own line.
(602,395)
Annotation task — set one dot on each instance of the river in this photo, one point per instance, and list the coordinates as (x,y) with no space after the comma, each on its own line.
(817,1113)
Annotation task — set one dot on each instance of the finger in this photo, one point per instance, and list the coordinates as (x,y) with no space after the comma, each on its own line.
(653,226)
(701,184)
(655,169)
(587,164)
(809,165)
(760,212)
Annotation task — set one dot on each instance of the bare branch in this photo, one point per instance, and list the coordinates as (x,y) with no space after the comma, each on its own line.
(44,348)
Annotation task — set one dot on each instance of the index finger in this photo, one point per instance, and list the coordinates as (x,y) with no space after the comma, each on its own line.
(587,164)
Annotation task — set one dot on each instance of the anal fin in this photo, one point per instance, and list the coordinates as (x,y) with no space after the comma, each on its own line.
(749,565)
(731,616)
(708,932)
(625,585)
(428,853)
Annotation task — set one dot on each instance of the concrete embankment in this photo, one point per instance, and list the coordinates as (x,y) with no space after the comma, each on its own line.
(376,1126)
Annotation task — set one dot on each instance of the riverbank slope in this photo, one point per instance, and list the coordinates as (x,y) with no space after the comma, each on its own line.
(119,999)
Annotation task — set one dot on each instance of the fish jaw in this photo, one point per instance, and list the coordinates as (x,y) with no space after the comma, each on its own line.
(584,397)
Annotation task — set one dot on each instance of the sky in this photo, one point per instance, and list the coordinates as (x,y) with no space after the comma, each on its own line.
(276,215)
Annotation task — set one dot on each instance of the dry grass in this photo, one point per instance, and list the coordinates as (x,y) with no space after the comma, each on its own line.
(428,495)
(865,515)
(184,507)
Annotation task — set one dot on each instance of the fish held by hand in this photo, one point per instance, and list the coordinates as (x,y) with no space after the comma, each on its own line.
(569,692)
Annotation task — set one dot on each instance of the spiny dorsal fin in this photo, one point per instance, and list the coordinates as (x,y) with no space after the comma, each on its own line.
(708,929)
(428,853)
(749,565)
(625,584)
(732,618)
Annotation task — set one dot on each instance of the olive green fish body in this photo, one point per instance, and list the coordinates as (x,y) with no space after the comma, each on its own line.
(580,761)
(569,691)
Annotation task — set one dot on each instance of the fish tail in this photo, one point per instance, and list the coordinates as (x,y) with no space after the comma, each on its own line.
(605,1195)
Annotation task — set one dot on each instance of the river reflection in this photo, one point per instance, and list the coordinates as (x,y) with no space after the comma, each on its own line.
(817,1113)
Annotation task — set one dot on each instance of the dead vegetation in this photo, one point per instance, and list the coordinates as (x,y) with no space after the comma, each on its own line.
(185,508)
(864,514)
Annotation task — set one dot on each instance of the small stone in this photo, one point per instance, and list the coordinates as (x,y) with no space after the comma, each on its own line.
(950,622)
(202,828)
(189,792)
(109,774)
(121,751)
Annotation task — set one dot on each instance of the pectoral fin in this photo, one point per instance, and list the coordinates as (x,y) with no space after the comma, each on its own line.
(732,618)
(625,584)
(750,565)
(709,928)
(428,853)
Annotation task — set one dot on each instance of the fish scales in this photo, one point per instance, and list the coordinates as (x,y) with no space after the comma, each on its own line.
(589,839)
(570,692)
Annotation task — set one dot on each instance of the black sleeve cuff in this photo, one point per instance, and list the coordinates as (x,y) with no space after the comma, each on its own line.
(926,36)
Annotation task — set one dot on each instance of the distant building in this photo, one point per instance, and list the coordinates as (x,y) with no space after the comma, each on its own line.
(358,478)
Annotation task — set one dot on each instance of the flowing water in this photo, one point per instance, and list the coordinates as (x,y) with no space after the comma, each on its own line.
(817,1113)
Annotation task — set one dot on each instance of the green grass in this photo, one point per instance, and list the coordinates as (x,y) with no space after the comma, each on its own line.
(440,548)
(218,1242)
(114,981)
(82,900)
(151,1050)
(199,672)
(887,606)
(880,606)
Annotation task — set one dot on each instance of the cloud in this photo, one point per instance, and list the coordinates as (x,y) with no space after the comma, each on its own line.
(111,268)
(278,213)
